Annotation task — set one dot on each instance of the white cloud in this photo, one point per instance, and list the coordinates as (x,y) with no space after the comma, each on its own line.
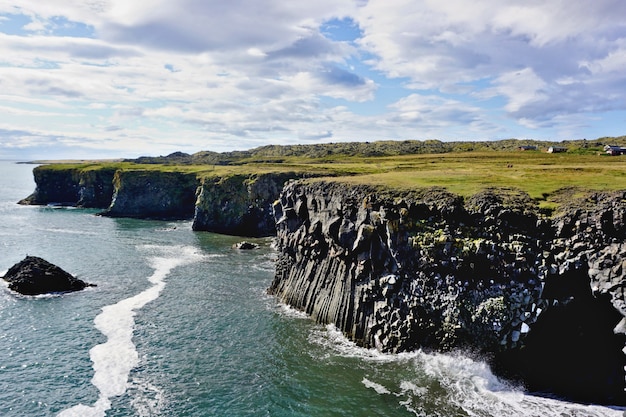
(522,87)
(200,25)
(199,74)
(526,49)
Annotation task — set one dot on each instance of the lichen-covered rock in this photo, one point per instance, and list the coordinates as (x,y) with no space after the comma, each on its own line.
(419,270)
(35,276)
(405,270)
(239,204)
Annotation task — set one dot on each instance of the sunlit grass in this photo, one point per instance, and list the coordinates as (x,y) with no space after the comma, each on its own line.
(538,173)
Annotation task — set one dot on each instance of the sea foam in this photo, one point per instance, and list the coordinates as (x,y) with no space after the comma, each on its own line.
(114,359)
(469,384)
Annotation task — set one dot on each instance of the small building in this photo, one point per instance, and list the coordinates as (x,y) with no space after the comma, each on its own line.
(557,149)
(615,150)
(527,148)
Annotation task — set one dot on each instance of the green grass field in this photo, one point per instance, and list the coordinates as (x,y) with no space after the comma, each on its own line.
(540,174)
(537,173)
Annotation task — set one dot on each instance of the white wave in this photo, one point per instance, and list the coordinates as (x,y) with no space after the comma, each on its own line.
(469,384)
(474,388)
(375,386)
(114,359)
(66,231)
(333,340)
(266,264)
(287,310)
(148,399)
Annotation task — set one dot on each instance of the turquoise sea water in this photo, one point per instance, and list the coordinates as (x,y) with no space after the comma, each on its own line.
(180,325)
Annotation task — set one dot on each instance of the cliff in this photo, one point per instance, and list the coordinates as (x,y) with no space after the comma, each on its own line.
(72,186)
(542,298)
(230,204)
(153,194)
(239,204)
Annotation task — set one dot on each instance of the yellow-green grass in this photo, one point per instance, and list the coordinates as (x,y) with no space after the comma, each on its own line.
(538,173)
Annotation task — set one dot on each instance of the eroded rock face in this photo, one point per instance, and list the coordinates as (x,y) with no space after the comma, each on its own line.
(239,205)
(153,194)
(72,187)
(34,276)
(541,297)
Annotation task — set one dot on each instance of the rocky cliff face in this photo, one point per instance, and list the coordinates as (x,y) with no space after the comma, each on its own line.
(239,204)
(543,298)
(95,188)
(153,194)
(233,204)
(72,187)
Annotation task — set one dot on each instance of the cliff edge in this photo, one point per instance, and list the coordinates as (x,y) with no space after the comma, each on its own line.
(72,186)
(541,298)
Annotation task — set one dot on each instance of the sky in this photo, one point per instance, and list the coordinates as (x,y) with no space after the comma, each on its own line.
(120,78)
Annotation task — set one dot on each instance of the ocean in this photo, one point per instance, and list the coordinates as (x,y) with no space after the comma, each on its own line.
(180,325)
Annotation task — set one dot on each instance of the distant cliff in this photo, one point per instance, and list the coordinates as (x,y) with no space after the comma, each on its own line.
(153,194)
(230,204)
(72,186)
(542,298)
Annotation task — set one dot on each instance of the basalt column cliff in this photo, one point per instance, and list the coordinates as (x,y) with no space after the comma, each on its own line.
(542,298)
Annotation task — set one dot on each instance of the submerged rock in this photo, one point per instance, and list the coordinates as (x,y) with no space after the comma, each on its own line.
(34,276)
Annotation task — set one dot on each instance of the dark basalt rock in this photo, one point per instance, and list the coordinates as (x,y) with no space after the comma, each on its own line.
(153,195)
(239,205)
(34,276)
(542,298)
(245,245)
(74,187)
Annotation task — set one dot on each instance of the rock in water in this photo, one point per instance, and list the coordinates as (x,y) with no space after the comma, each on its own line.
(245,245)
(34,275)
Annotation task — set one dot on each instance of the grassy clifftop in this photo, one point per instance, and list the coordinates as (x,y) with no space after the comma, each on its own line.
(463,168)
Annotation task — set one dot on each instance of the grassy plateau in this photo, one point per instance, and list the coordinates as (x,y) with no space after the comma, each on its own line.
(463,168)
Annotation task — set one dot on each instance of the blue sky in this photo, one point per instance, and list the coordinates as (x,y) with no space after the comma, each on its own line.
(114,78)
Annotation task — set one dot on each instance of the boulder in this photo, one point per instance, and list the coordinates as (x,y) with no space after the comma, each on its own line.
(34,276)
(245,245)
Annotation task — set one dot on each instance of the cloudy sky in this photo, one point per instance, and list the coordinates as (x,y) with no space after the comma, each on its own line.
(111,78)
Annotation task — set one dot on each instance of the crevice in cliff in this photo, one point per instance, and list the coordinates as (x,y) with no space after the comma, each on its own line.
(572,349)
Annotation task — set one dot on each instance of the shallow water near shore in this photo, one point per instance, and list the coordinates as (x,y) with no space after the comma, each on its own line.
(180,325)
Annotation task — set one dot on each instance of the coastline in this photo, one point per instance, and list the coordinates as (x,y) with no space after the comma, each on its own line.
(494,269)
